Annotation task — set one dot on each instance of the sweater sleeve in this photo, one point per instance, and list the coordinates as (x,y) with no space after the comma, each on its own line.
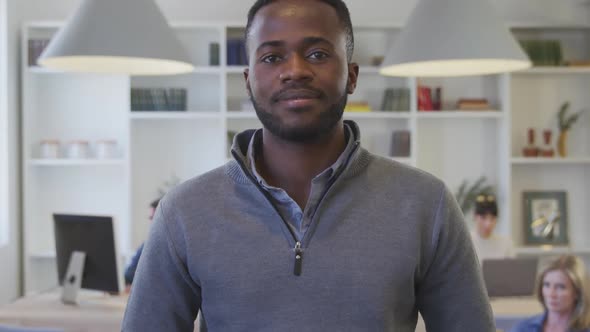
(163,297)
(450,294)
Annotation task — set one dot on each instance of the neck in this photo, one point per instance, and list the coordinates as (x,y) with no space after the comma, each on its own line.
(291,165)
(558,319)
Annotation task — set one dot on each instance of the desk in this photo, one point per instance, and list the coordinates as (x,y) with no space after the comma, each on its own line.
(507,312)
(96,312)
(101,313)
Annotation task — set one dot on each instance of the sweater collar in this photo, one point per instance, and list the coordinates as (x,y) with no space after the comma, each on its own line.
(237,169)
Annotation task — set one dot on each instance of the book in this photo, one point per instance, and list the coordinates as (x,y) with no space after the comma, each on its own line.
(424,98)
(358,106)
(158,99)
(400,143)
(396,99)
(473,104)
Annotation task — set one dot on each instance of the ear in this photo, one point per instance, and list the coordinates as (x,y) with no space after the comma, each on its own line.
(247,80)
(353,74)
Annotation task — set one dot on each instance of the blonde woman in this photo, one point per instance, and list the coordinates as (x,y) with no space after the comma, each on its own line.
(562,289)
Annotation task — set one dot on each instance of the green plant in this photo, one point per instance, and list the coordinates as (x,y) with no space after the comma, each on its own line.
(566,122)
(467,193)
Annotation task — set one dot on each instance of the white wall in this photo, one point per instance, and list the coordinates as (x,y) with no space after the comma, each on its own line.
(9,256)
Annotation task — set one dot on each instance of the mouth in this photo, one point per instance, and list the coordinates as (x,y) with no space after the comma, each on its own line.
(297,99)
(295,95)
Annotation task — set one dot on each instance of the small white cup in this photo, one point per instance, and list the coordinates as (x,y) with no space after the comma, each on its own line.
(49,148)
(77,149)
(106,149)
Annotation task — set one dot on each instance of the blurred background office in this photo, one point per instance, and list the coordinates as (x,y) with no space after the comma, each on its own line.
(95,144)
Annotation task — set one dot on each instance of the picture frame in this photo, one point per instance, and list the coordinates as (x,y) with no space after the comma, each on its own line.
(545,218)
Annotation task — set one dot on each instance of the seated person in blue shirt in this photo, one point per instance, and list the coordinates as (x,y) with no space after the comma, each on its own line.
(130,269)
(562,289)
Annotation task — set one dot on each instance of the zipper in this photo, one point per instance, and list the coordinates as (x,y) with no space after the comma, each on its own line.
(297,248)
(298,259)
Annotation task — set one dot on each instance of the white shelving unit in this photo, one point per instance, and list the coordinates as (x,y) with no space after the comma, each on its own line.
(155,146)
(535,97)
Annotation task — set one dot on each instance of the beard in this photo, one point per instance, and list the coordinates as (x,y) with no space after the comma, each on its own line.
(315,132)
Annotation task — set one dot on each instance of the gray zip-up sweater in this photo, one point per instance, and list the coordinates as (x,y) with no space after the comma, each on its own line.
(386,241)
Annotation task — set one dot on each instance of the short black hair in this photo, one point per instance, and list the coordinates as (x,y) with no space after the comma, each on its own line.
(155,203)
(338,5)
(486,204)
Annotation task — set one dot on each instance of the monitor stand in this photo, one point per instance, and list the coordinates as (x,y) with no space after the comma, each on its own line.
(73,278)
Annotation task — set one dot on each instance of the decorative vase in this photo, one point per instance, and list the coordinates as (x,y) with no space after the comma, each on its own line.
(562,144)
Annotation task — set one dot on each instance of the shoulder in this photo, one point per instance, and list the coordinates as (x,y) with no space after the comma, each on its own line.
(393,174)
(198,187)
(531,324)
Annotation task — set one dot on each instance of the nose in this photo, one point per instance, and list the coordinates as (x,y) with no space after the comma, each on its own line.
(295,68)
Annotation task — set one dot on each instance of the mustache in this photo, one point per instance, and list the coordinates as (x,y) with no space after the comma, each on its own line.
(294,91)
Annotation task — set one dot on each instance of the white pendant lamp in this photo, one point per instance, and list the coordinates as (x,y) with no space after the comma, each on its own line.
(117,36)
(453,38)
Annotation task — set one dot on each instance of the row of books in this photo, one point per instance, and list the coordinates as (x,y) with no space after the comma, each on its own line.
(35,48)
(158,99)
(396,99)
(429,99)
(543,52)
(236,52)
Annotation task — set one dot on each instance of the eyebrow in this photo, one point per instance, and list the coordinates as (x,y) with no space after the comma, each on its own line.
(307,41)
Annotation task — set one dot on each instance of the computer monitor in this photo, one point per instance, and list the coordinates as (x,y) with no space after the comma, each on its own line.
(508,277)
(87,255)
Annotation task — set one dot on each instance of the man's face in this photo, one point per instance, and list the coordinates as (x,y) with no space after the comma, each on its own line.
(298,76)
(485,224)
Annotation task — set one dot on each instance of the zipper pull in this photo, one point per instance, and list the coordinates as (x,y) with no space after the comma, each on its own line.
(298,259)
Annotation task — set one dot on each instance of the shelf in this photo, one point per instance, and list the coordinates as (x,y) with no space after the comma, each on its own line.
(43,70)
(550,250)
(377,115)
(548,26)
(241,115)
(174,115)
(367,69)
(549,161)
(207,70)
(553,70)
(235,69)
(49,254)
(76,162)
(454,114)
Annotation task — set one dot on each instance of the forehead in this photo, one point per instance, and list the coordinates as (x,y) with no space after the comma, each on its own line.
(557,276)
(284,20)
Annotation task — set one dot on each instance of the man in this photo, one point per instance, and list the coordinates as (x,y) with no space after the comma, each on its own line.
(132,266)
(306,230)
(489,245)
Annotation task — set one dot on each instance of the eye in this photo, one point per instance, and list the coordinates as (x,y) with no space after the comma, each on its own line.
(318,55)
(271,58)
